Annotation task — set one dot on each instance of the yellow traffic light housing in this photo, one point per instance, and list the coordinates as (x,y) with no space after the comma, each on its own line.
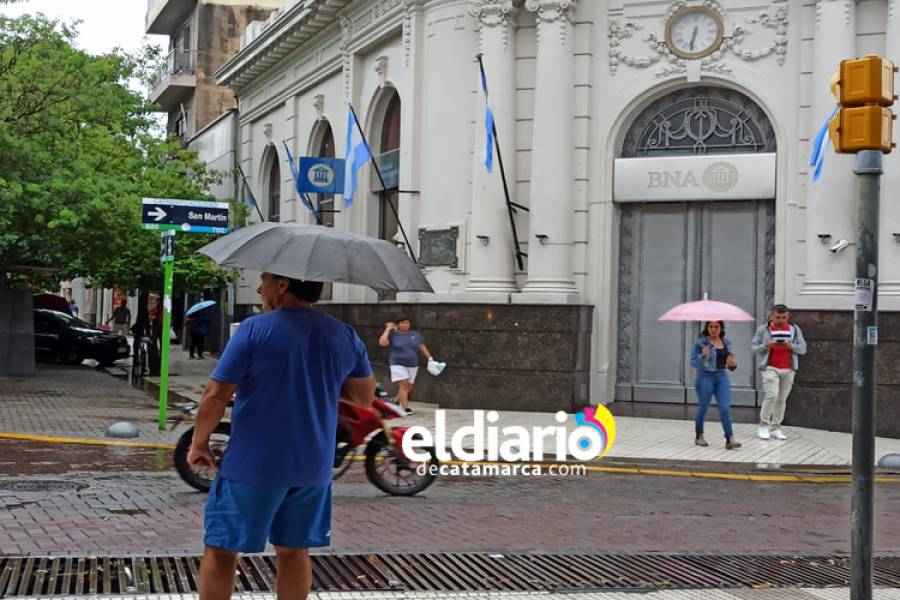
(863,88)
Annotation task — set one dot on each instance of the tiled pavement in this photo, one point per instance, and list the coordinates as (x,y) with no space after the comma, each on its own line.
(739,594)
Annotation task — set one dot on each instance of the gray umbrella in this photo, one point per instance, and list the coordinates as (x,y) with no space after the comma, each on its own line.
(316,253)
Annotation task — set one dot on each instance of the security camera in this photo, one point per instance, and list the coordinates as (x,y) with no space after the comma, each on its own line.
(825,238)
(840,245)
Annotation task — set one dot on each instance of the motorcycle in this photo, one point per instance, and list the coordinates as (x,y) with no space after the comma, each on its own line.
(387,467)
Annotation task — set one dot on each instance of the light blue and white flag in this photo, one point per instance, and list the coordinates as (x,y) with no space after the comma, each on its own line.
(488,152)
(295,173)
(357,154)
(819,145)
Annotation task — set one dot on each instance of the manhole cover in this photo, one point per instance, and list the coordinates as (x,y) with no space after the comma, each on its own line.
(41,486)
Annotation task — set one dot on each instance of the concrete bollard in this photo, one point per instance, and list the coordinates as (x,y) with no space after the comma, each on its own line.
(890,461)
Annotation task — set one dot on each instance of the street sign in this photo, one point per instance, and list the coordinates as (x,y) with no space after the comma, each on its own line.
(321,175)
(167,247)
(190,216)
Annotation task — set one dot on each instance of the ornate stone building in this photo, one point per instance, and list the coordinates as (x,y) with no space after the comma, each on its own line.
(657,150)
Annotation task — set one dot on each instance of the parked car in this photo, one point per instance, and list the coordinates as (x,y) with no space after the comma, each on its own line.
(71,340)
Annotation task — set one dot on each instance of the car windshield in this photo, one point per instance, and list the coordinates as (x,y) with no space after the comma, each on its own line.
(70,320)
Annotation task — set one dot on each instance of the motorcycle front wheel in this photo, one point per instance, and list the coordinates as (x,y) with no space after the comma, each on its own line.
(393,473)
(203,478)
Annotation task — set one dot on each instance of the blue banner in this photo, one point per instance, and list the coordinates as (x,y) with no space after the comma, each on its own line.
(321,175)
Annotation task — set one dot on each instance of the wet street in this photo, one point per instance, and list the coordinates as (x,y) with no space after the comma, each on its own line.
(64,498)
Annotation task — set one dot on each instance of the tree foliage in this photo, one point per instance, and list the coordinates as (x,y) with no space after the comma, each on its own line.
(78,152)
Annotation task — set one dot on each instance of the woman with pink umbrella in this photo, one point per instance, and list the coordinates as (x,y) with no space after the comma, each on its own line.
(712,356)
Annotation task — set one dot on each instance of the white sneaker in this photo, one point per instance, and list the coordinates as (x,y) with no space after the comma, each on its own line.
(778,434)
(763,432)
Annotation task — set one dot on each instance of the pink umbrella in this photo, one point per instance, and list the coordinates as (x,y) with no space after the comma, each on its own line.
(706,310)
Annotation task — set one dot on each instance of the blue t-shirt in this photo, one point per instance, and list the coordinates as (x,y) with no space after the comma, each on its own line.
(290,365)
(201,324)
(405,347)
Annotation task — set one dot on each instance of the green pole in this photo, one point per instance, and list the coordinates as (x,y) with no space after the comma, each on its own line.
(164,358)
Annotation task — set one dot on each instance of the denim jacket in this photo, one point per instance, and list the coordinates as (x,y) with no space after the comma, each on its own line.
(708,363)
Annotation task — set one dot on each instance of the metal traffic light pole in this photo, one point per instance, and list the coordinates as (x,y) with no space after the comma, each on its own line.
(865,339)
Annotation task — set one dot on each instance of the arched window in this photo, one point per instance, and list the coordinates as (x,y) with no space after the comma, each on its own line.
(389,163)
(273,188)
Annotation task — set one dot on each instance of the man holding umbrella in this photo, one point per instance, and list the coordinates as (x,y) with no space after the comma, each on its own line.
(289,365)
(198,326)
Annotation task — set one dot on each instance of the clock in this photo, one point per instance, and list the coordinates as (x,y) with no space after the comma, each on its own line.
(694,32)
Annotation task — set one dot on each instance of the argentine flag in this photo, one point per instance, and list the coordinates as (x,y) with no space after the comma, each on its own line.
(488,152)
(357,154)
(819,145)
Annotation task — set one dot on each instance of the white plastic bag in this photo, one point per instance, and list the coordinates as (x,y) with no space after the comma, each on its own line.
(436,368)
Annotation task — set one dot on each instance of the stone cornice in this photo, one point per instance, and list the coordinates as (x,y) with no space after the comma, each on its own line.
(285,31)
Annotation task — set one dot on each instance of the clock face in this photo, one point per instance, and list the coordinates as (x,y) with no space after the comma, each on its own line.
(694,32)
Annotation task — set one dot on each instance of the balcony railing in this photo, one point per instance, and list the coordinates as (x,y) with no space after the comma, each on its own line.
(178,62)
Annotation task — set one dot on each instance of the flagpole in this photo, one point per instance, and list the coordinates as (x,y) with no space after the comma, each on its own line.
(244,177)
(316,213)
(383,185)
(510,206)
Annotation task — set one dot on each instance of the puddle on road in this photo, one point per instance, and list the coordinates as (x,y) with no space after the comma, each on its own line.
(23,457)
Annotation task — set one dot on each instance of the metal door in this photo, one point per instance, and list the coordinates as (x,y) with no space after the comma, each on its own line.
(675,252)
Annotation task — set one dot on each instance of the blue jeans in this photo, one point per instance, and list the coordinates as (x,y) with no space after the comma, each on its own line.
(707,384)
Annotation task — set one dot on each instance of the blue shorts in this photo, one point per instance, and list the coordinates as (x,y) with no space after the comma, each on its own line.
(240,517)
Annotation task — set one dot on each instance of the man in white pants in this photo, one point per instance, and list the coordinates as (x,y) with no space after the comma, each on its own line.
(778,343)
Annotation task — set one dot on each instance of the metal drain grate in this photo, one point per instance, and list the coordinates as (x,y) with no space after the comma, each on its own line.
(50,576)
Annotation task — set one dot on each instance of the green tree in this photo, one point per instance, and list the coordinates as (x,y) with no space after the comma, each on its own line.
(78,152)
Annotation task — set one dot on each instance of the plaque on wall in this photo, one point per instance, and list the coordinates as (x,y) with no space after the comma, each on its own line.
(438,247)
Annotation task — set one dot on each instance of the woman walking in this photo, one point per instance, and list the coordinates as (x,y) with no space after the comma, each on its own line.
(404,343)
(711,356)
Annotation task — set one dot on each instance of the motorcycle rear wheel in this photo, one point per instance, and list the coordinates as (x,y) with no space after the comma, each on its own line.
(393,473)
(200,480)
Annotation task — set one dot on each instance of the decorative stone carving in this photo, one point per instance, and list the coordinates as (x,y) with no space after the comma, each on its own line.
(411,7)
(626,256)
(319,105)
(775,19)
(346,38)
(381,67)
(847,10)
(770,256)
(267,131)
(495,13)
(552,11)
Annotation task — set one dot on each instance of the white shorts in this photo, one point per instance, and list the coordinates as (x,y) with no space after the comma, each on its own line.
(400,373)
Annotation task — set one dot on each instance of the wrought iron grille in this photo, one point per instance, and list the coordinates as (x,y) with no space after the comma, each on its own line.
(701,120)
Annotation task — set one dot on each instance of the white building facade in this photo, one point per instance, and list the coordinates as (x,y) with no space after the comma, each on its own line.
(660,147)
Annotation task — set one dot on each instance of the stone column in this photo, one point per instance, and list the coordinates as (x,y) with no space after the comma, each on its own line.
(550,239)
(493,253)
(830,203)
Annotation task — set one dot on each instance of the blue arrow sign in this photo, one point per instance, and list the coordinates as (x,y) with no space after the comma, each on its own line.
(190,216)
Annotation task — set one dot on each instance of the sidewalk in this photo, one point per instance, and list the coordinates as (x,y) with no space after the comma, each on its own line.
(668,440)
(81,402)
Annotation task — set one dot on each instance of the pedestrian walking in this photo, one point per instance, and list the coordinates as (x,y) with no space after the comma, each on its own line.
(712,355)
(73,308)
(289,366)
(778,343)
(198,327)
(405,343)
(121,318)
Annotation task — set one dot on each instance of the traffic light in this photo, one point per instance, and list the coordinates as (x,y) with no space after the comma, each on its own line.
(864,89)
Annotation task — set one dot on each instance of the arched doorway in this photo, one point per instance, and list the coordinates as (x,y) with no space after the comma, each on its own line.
(272,185)
(389,165)
(673,251)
